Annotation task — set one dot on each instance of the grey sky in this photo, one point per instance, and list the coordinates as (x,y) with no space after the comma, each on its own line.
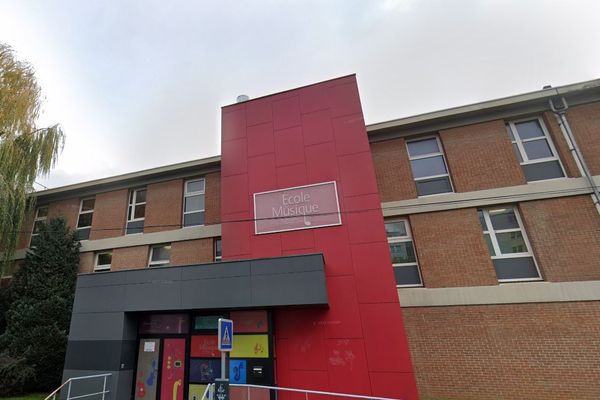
(139,84)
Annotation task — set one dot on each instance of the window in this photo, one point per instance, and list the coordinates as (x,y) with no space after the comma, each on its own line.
(84,223)
(534,150)
(136,211)
(103,261)
(193,203)
(41,215)
(160,256)
(404,258)
(218,252)
(508,245)
(428,166)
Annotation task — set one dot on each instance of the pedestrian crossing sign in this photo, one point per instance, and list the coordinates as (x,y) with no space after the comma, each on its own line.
(225,334)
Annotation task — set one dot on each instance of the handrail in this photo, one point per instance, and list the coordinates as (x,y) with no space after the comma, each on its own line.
(76,378)
(305,391)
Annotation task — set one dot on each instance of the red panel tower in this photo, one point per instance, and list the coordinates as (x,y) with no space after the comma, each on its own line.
(304,136)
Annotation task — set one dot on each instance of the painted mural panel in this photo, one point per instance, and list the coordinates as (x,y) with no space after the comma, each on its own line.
(164,323)
(207,321)
(237,371)
(173,369)
(204,346)
(204,370)
(147,369)
(196,392)
(250,321)
(250,346)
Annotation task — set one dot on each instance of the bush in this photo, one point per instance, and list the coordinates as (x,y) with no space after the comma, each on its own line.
(16,377)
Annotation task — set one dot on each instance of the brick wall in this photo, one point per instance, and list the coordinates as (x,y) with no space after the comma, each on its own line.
(212,198)
(164,205)
(521,351)
(451,250)
(392,170)
(69,209)
(585,123)
(192,252)
(481,157)
(110,213)
(25,233)
(558,138)
(130,258)
(86,262)
(565,236)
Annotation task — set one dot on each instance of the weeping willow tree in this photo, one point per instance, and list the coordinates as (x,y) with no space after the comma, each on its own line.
(26,150)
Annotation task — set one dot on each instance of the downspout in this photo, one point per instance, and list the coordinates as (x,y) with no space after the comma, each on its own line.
(559,107)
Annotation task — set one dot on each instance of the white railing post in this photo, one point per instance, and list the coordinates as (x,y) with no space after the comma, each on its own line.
(69,390)
(104,388)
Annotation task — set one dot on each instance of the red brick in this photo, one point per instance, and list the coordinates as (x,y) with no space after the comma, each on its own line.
(392,169)
(110,213)
(164,205)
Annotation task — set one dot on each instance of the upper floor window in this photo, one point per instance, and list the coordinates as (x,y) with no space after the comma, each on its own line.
(404,258)
(534,149)
(508,245)
(136,211)
(428,166)
(41,215)
(193,202)
(103,261)
(218,251)
(160,256)
(84,223)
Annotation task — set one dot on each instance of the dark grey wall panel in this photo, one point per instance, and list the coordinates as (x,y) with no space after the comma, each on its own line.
(97,326)
(93,355)
(289,289)
(227,292)
(109,298)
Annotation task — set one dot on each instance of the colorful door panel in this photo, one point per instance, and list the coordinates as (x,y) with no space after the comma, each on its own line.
(147,369)
(196,392)
(173,369)
(250,346)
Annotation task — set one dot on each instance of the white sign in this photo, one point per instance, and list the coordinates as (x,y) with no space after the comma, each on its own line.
(149,347)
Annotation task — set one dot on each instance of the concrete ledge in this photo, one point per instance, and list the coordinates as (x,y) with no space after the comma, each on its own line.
(506,293)
(562,187)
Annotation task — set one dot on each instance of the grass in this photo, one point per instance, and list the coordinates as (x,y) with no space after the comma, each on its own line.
(32,396)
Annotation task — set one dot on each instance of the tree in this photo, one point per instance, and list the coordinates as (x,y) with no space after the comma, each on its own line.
(37,320)
(26,150)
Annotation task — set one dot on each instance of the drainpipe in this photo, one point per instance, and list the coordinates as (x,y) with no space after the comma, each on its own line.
(559,107)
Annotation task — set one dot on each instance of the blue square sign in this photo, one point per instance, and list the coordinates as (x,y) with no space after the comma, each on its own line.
(225,334)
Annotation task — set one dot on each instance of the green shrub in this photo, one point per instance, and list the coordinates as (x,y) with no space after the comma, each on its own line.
(16,377)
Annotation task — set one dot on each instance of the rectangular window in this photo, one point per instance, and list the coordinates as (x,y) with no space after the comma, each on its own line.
(103,261)
(428,165)
(508,245)
(404,258)
(84,223)
(534,150)
(136,211)
(160,255)
(41,215)
(193,202)
(218,253)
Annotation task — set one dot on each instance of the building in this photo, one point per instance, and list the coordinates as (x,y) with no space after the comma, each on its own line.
(480,219)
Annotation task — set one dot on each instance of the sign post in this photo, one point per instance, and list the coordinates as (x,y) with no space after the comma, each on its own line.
(225,333)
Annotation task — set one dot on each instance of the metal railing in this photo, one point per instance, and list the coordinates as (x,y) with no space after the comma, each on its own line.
(69,383)
(209,391)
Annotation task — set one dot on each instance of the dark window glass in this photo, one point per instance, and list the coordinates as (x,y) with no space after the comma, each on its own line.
(140,211)
(422,147)
(515,268)
(433,186)
(161,253)
(482,220)
(218,250)
(42,212)
(517,152)
(395,229)
(104,258)
(164,323)
(83,234)
(543,170)
(537,149)
(428,166)
(140,196)
(193,219)
(503,218)
(402,253)
(195,186)
(85,220)
(88,205)
(194,203)
(135,227)
(407,275)
(490,247)
(529,129)
(511,242)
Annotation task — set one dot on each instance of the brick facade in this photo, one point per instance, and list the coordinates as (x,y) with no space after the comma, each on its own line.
(164,206)
(451,250)
(565,236)
(86,262)
(68,209)
(392,170)
(481,157)
(190,252)
(212,198)
(585,124)
(130,258)
(558,138)
(110,214)
(519,351)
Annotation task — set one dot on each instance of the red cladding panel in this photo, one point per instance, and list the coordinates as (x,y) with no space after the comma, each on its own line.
(305,136)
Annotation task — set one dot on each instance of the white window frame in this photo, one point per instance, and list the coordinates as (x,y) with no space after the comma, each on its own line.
(133,204)
(152,264)
(492,234)
(102,267)
(516,139)
(85,212)
(430,155)
(37,219)
(189,194)
(404,239)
